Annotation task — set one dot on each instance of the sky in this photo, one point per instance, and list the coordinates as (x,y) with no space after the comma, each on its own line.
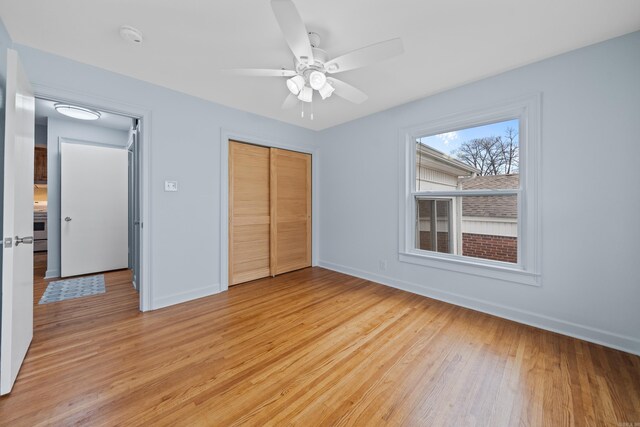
(450,141)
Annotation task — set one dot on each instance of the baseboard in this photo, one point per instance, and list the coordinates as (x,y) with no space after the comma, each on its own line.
(52,274)
(185,296)
(587,333)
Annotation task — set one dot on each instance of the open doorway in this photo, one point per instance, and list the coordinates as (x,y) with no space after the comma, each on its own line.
(86,201)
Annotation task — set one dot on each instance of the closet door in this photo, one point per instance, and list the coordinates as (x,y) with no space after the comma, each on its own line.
(290,211)
(249,216)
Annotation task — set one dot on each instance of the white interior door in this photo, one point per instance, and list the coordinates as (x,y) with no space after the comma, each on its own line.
(94,208)
(17,224)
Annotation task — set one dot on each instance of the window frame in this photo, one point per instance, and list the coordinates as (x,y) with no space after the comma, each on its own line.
(527,110)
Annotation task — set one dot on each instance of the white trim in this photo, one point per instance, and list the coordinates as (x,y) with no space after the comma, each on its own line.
(144,114)
(225,136)
(527,110)
(575,330)
(66,140)
(181,297)
(52,274)
(462,193)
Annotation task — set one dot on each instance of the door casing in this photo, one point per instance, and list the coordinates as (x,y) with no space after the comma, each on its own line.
(143,114)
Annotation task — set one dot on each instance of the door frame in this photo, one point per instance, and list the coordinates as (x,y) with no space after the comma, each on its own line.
(227,135)
(143,114)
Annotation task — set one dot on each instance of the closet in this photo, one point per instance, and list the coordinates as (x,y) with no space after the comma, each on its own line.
(269,211)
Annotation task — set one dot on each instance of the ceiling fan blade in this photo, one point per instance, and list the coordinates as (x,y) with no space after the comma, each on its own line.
(294,30)
(290,102)
(365,56)
(260,72)
(348,92)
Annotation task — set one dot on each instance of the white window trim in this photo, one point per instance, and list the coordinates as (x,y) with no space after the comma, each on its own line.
(528,270)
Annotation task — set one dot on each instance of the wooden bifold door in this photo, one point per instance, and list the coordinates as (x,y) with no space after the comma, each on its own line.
(269,211)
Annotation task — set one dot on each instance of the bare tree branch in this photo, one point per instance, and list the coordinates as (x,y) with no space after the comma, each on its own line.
(492,155)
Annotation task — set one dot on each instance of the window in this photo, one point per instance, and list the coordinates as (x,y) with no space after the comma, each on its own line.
(470,193)
(481,158)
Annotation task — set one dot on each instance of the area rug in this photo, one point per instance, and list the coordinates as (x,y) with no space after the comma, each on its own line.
(61,290)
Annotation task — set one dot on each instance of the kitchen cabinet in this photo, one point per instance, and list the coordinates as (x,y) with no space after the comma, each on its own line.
(40,165)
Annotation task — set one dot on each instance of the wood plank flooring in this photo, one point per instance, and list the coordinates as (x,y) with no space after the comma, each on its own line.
(312,347)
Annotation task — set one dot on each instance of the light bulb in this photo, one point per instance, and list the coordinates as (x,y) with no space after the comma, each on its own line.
(295,84)
(317,80)
(306,94)
(326,91)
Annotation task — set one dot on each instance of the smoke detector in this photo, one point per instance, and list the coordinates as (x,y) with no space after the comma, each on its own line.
(131,34)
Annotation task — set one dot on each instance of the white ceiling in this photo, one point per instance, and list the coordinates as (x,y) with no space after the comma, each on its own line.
(186,43)
(45,108)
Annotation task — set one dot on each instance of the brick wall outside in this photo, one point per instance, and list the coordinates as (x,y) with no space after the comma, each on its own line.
(497,248)
(443,241)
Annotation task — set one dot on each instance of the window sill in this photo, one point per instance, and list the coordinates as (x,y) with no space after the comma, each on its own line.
(491,270)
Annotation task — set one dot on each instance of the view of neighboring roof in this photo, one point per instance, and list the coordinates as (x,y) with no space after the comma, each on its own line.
(490,206)
(425,151)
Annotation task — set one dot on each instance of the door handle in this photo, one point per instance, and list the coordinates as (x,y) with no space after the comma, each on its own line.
(68,219)
(25,240)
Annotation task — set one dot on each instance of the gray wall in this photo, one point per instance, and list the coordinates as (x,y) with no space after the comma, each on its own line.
(41,135)
(57,129)
(185,146)
(590,195)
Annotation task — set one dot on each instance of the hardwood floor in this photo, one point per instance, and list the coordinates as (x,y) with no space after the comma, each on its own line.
(312,347)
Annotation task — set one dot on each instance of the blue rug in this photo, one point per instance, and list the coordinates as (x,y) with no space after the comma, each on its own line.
(61,290)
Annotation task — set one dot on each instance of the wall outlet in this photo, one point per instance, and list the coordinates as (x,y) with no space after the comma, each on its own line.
(171,186)
(382,265)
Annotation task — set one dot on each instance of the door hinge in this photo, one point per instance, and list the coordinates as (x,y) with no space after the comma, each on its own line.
(8,242)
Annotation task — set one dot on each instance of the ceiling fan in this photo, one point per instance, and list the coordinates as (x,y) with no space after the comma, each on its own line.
(313,69)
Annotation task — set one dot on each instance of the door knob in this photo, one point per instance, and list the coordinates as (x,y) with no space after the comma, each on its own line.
(68,219)
(25,240)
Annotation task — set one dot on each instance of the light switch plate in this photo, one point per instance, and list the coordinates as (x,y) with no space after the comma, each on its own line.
(171,186)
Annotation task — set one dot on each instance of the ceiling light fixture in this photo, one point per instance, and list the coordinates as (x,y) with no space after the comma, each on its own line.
(306,94)
(326,91)
(295,84)
(317,80)
(77,112)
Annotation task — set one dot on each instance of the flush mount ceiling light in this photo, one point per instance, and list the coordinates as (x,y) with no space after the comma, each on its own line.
(312,64)
(77,112)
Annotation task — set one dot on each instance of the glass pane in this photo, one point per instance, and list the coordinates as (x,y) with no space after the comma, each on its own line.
(433,225)
(478,158)
(489,227)
(443,229)
(425,209)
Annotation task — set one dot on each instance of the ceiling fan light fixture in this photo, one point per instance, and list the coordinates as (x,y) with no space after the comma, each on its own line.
(77,112)
(317,80)
(295,84)
(326,91)
(306,94)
